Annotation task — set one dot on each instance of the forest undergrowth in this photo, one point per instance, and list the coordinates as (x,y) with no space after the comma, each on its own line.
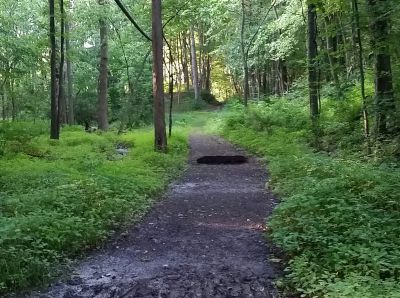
(339,216)
(60,198)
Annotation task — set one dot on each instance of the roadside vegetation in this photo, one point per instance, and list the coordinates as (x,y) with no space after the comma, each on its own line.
(61,198)
(338,220)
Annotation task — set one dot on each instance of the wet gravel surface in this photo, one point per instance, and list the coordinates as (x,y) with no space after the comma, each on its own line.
(205,239)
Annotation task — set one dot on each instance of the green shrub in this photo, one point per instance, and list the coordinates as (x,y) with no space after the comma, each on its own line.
(209,98)
(15,137)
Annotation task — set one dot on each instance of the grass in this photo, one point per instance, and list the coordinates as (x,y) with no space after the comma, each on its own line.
(339,218)
(200,121)
(60,198)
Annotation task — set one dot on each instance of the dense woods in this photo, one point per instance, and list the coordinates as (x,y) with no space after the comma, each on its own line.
(101,68)
(316,81)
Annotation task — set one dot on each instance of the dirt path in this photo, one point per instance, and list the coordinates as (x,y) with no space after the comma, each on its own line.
(204,240)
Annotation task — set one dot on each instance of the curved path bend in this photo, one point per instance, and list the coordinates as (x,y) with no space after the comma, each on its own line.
(205,239)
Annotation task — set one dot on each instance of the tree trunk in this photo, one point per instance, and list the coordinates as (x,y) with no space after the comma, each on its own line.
(13,101)
(276,77)
(341,45)
(246,87)
(312,64)
(195,71)
(285,76)
(384,93)
(158,78)
(4,102)
(208,74)
(61,94)
(362,73)
(331,47)
(178,65)
(282,76)
(253,80)
(171,94)
(200,65)
(55,124)
(185,61)
(281,66)
(103,75)
(235,85)
(70,90)
(170,85)
(265,80)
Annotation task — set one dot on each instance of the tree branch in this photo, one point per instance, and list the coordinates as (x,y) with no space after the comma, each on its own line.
(130,18)
(259,27)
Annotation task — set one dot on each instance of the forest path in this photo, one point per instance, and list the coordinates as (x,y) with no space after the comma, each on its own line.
(205,239)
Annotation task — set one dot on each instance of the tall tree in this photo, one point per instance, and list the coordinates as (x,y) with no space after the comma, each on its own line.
(195,71)
(185,59)
(361,68)
(384,93)
(102,112)
(331,52)
(282,71)
(62,106)
(55,120)
(69,75)
(158,78)
(246,86)
(313,64)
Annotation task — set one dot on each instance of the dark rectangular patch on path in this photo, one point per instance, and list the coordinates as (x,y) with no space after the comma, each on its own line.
(222,160)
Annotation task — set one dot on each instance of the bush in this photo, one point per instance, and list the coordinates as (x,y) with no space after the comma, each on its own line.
(209,98)
(16,137)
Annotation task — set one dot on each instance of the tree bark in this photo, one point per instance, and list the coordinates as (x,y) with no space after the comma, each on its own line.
(384,93)
(170,69)
(208,74)
(362,73)
(341,45)
(246,86)
(55,124)
(285,75)
(265,80)
(200,62)
(331,47)
(70,83)
(158,78)
(281,65)
(4,103)
(171,93)
(103,75)
(13,101)
(312,64)
(185,62)
(178,60)
(195,71)
(61,94)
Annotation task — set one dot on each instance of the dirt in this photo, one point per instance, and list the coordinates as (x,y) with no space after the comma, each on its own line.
(204,239)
